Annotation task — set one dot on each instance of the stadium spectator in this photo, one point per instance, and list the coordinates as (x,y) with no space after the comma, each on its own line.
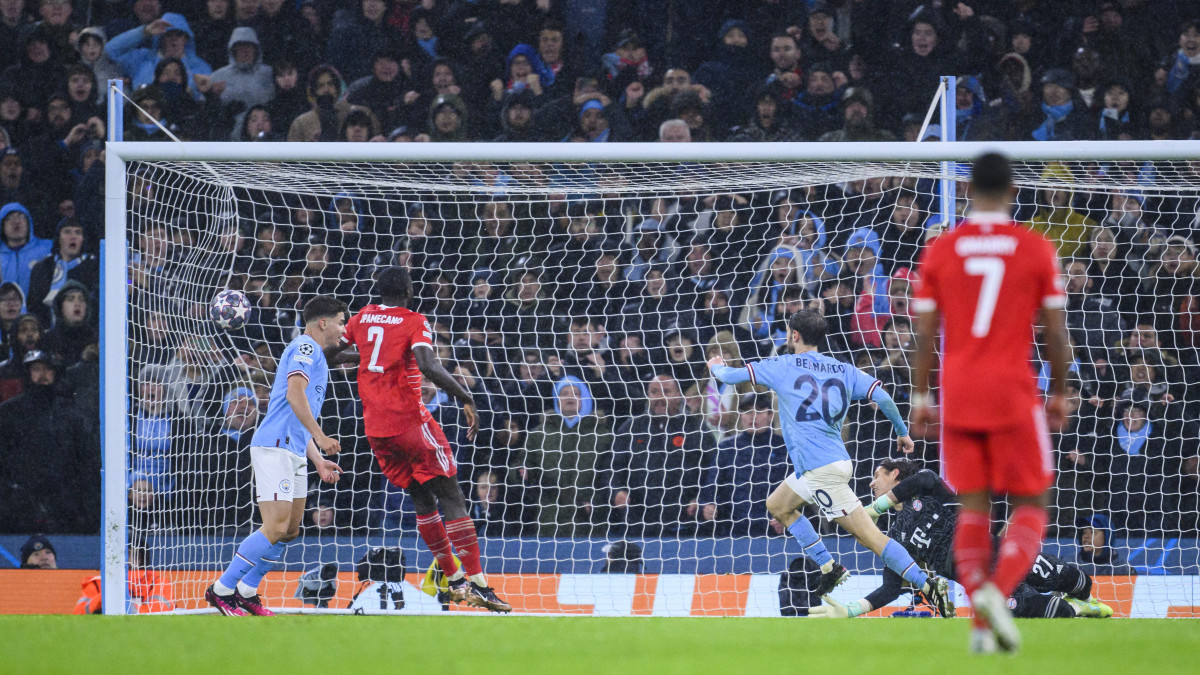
(37,553)
(1057,218)
(657,465)
(68,261)
(561,466)
(1139,458)
(20,248)
(769,121)
(857,117)
(50,460)
(357,34)
(246,78)
(328,108)
(23,336)
(740,473)
(1093,319)
(138,50)
(74,326)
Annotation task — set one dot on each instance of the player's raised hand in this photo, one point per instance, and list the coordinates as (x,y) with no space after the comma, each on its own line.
(831,610)
(472,421)
(1056,412)
(329,471)
(905,444)
(327,445)
(715,361)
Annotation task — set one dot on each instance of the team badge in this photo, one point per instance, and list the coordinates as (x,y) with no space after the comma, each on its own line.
(917,505)
(306,348)
(285,485)
(1012,603)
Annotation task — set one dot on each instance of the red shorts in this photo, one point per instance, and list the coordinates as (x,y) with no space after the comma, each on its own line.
(1012,461)
(417,455)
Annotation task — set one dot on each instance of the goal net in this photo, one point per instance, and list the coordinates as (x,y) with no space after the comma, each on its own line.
(578,300)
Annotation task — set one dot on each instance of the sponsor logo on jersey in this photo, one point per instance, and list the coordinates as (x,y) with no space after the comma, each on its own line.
(917,505)
(305,349)
(986,245)
(304,359)
(382,318)
(285,485)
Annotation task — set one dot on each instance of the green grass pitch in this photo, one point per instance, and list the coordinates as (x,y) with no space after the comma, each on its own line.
(513,644)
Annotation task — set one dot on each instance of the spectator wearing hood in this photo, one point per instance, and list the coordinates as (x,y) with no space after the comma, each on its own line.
(1094,537)
(326,91)
(74,323)
(39,71)
(82,89)
(68,261)
(20,249)
(815,109)
(1065,116)
(247,79)
(91,54)
(561,465)
(448,119)
(139,50)
(517,118)
(974,119)
(597,122)
(144,126)
(858,119)
(1057,218)
(290,99)
(726,74)
(51,459)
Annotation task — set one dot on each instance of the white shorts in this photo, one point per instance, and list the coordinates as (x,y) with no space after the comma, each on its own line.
(279,475)
(828,487)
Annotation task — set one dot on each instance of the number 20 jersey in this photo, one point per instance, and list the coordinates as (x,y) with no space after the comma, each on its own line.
(389,381)
(814,393)
(988,277)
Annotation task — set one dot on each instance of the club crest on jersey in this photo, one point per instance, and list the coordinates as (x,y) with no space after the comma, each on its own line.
(285,485)
(1012,603)
(306,348)
(917,505)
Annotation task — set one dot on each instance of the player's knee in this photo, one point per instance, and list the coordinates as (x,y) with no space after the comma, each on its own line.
(276,533)
(777,508)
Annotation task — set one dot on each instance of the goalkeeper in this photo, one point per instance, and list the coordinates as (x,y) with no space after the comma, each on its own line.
(924,525)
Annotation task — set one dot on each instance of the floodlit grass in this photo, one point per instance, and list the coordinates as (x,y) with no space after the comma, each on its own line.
(514,644)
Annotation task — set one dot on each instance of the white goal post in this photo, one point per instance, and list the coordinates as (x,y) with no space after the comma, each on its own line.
(643,170)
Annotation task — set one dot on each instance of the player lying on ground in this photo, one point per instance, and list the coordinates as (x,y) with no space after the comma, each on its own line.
(985,285)
(395,350)
(284,441)
(927,511)
(814,393)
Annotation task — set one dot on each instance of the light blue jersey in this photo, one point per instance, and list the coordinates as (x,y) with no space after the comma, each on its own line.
(280,428)
(814,393)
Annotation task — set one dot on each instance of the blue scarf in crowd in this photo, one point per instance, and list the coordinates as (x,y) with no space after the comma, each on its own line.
(1133,441)
(61,268)
(1054,114)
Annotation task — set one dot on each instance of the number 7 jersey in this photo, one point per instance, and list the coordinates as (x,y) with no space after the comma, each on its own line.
(389,381)
(989,277)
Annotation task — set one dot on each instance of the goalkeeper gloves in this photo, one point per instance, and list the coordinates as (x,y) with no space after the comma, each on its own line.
(836,610)
(879,507)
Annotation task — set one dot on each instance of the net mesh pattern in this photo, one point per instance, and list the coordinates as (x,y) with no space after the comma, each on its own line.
(610,285)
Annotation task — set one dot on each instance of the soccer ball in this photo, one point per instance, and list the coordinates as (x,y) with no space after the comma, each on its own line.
(230,309)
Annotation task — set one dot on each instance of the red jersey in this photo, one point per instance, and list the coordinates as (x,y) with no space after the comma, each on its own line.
(389,381)
(988,277)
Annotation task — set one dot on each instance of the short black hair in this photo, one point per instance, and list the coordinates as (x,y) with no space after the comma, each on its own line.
(811,326)
(394,283)
(323,307)
(992,175)
(906,466)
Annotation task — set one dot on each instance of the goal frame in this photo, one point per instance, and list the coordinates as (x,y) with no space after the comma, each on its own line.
(114,305)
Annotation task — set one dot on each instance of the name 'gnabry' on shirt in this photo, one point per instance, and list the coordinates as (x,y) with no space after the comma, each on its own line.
(280,428)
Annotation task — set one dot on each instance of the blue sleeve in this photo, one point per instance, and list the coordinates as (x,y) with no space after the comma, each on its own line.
(765,372)
(729,375)
(122,47)
(295,360)
(862,385)
(890,411)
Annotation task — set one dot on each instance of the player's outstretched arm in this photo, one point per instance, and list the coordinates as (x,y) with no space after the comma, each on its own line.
(888,407)
(328,470)
(725,374)
(832,609)
(299,404)
(431,368)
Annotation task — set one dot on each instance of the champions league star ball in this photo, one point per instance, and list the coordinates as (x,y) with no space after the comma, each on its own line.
(230,310)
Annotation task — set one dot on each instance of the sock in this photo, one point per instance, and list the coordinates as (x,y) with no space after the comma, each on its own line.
(972,554)
(897,558)
(466,544)
(1021,544)
(433,533)
(249,553)
(248,586)
(804,533)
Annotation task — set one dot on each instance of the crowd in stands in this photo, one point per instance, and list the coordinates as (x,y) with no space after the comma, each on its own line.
(582,325)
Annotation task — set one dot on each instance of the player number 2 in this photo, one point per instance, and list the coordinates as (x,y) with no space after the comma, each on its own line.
(375,336)
(992,271)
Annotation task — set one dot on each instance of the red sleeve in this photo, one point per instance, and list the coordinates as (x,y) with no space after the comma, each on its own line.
(422,333)
(348,337)
(925,295)
(1050,278)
